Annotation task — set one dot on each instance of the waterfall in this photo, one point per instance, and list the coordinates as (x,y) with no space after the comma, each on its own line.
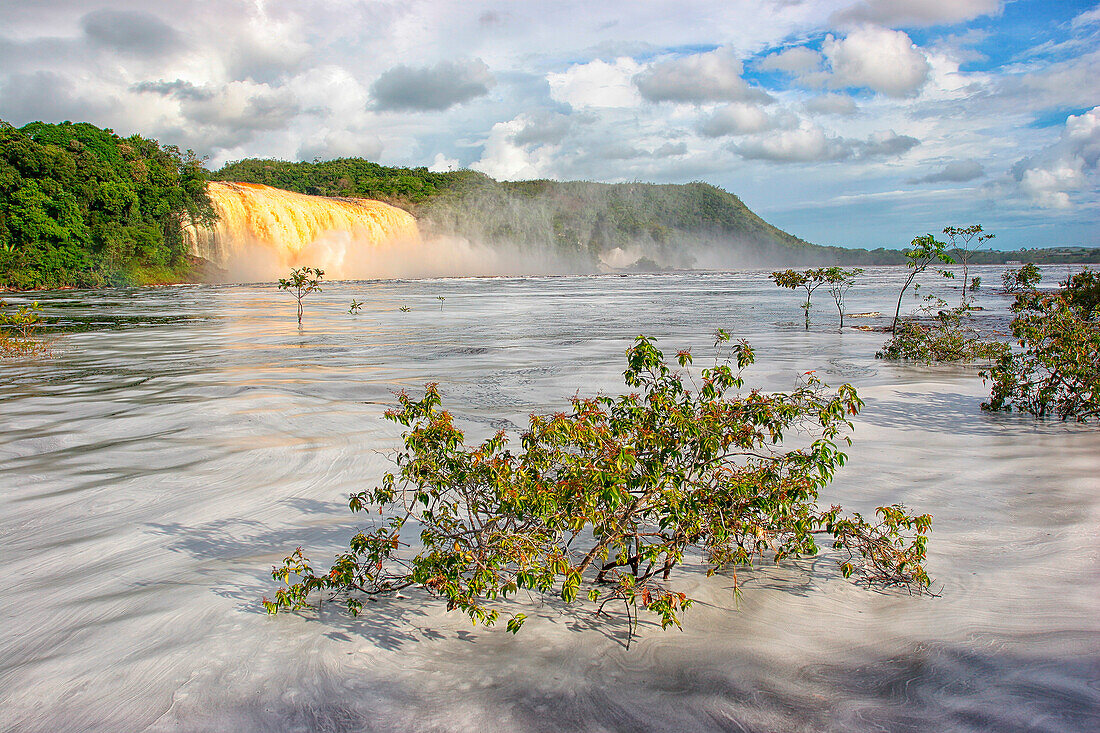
(284,229)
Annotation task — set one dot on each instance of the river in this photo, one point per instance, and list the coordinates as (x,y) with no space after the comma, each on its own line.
(181,440)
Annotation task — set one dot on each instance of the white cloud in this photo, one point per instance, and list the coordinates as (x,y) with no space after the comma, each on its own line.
(917,12)
(810,143)
(736,119)
(882,60)
(797,60)
(596,84)
(1088,17)
(503,159)
(957,171)
(831,104)
(442,164)
(714,76)
(805,144)
(1053,176)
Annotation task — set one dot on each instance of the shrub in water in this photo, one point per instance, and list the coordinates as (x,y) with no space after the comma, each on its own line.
(604,501)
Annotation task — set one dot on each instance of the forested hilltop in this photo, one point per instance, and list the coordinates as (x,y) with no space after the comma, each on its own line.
(82,206)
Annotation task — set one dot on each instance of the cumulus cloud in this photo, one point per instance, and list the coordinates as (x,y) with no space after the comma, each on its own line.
(242,106)
(441,164)
(957,171)
(885,144)
(1050,178)
(805,144)
(735,119)
(831,104)
(131,32)
(882,60)
(810,143)
(596,84)
(706,77)
(797,60)
(432,88)
(503,159)
(917,12)
(542,127)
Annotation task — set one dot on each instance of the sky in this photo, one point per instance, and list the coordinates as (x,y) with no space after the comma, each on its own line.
(846,122)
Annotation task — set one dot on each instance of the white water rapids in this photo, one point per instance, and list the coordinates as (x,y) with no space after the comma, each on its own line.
(182,440)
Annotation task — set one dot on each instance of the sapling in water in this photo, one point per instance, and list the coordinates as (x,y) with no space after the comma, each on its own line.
(302,282)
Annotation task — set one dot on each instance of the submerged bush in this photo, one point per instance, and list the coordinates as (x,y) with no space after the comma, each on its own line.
(1058,371)
(18,330)
(605,500)
(947,336)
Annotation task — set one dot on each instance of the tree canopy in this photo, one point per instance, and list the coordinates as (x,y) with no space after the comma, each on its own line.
(80,205)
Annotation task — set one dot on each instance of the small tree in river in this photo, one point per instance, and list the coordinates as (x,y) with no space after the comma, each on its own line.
(809,280)
(607,499)
(965,242)
(922,252)
(840,281)
(302,282)
(1058,370)
(18,329)
(1024,278)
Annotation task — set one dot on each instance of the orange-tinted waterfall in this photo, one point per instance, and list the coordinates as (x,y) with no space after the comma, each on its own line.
(263,230)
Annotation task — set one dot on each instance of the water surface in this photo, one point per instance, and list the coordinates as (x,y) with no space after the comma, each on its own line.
(182,440)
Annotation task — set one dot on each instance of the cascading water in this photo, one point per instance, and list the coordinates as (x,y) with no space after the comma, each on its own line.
(261,230)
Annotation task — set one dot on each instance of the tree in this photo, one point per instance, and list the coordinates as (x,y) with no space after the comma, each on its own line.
(302,282)
(965,242)
(606,500)
(923,251)
(1024,278)
(840,282)
(809,280)
(18,329)
(1058,371)
(81,206)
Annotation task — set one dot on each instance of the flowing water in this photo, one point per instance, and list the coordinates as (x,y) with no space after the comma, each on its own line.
(181,440)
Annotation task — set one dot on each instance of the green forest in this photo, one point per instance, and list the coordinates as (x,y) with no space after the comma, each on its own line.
(81,206)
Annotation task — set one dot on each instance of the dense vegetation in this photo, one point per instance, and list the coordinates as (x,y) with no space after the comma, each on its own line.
(1057,372)
(80,205)
(606,500)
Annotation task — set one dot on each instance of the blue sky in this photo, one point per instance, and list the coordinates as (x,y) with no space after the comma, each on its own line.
(849,122)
